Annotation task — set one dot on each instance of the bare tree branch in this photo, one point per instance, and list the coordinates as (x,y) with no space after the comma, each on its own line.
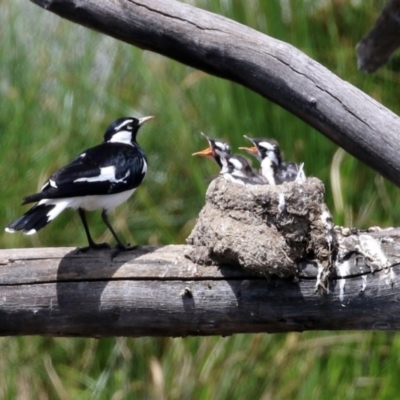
(274,69)
(376,48)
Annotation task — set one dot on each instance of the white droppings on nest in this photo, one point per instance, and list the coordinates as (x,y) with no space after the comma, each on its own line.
(323,275)
(281,204)
(371,250)
(326,219)
(343,270)
(374,229)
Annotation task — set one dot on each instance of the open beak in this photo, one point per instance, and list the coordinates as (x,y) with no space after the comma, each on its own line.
(251,150)
(204,153)
(144,119)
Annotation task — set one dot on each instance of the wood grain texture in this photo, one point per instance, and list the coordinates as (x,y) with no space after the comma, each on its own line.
(274,69)
(378,45)
(158,292)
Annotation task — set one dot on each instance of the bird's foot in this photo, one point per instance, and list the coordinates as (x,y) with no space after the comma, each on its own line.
(94,246)
(121,247)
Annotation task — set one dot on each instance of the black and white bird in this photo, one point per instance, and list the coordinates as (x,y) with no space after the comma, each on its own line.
(217,149)
(268,153)
(237,169)
(100,178)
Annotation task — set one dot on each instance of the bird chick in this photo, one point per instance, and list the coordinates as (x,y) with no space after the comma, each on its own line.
(217,149)
(268,153)
(237,169)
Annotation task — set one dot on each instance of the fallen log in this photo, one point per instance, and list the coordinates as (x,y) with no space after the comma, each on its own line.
(159,292)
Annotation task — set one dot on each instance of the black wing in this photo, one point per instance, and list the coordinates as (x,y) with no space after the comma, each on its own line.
(105,169)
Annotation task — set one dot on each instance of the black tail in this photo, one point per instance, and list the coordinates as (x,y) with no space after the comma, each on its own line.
(33,220)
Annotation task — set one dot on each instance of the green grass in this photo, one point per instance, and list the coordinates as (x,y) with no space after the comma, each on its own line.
(61,85)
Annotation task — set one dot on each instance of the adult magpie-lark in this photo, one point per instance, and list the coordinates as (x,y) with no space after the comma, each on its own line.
(100,178)
(217,149)
(268,153)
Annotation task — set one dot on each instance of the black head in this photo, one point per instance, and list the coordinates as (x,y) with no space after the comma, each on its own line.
(265,148)
(124,130)
(236,165)
(217,149)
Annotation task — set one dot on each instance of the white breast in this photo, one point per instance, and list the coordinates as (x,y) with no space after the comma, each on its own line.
(90,203)
(101,202)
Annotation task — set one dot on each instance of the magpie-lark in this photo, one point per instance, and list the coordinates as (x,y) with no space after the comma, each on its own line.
(237,169)
(268,153)
(100,178)
(217,149)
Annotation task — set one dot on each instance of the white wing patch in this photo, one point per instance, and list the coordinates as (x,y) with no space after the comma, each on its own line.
(144,168)
(48,183)
(106,174)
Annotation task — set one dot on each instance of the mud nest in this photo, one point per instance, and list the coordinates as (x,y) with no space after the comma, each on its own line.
(264,229)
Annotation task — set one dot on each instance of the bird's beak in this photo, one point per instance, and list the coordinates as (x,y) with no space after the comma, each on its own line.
(204,153)
(144,119)
(251,150)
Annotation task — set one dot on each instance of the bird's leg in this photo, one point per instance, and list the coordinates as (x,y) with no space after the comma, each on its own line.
(92,244)
(120,246)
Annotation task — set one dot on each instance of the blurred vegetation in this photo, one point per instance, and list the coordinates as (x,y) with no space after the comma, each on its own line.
(61,85)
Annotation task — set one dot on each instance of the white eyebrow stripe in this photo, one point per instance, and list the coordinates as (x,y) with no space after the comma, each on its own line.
(106,174)
(267,145)
(129,121)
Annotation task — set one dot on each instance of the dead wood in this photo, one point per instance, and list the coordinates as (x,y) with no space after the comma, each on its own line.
(158,292)
(274,69)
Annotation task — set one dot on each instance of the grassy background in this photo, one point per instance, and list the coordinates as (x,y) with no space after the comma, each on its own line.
(61,85)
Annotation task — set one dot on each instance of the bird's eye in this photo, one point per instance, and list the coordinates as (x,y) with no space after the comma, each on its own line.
(129,127)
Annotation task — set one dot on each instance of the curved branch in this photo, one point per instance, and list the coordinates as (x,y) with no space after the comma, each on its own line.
(274,69)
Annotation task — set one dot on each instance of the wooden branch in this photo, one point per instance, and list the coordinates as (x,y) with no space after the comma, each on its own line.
(273,69)
(158,292)
(376,48)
